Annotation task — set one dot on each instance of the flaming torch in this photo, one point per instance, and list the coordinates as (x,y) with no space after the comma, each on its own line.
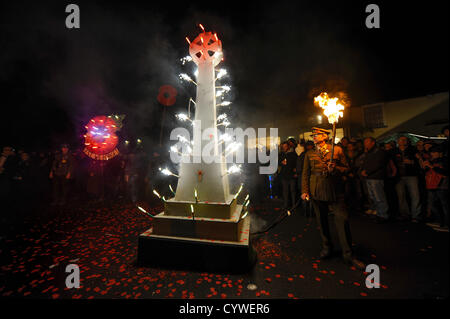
(333,110)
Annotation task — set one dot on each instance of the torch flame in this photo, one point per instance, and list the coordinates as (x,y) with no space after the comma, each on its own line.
(332,108)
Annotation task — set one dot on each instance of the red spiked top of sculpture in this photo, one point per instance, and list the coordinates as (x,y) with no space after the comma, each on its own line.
(206,47)
(101,139)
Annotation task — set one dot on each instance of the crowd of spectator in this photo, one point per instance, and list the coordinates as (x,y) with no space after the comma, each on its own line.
(66,177)
(389,181)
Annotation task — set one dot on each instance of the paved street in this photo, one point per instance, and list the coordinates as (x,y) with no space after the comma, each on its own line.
(102,241)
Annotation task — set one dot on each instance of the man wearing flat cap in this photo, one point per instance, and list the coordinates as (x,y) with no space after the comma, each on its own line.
(322,183)
(61,173)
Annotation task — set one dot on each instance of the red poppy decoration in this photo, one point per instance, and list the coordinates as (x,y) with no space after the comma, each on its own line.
(167,95)
(100,138)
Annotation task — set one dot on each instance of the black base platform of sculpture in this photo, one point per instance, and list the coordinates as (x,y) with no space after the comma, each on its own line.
(195,254)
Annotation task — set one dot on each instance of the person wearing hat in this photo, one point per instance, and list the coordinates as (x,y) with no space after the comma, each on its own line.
(322,183)
(61,172)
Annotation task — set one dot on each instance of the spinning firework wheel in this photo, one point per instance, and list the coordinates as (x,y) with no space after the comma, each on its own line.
(101,139)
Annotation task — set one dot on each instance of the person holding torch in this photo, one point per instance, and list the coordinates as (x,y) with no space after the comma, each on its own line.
(322,182)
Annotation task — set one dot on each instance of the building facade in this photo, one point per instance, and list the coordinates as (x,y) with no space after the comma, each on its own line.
(424,116)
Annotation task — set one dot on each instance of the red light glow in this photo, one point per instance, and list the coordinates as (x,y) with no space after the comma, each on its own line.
(100,139)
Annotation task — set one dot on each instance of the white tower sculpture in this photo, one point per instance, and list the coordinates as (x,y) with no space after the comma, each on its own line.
(209,179)
(202,225)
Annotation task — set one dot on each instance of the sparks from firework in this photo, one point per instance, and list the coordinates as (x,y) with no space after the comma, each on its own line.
(165,171)
(221,74)
(233,147)
(233,169)
(186,142)
(224,138)
(182,139)
(218,55)
(185,77)
(226,88)
(174,149)
(332,108)
(187,58)
(183,117)
(222,117)
(224,123)
(224,103)
(221,90)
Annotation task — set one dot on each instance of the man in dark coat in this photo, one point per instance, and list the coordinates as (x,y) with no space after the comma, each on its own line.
(322,183)
(408,171)
(373,171)
(288,160)
(61,172)
(306,205)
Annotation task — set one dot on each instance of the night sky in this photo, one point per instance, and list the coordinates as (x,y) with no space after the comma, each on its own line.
(278,55)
